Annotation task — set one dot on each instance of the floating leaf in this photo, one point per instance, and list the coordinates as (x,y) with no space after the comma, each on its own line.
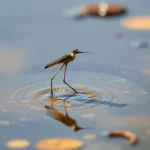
(5,122)
(126,92)
(121,80)
(148,132)
(18,143)
(145,93)
(87,115)
(4,110)
(59,144)
(137,23)
(89,136)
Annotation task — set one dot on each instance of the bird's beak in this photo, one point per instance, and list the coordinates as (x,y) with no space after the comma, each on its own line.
(82,52)
(76,129)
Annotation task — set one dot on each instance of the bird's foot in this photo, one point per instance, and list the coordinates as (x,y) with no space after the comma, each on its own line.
(75,92)
(66,103)
(52,95)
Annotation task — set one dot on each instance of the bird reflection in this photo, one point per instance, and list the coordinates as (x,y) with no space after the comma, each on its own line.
(63,118)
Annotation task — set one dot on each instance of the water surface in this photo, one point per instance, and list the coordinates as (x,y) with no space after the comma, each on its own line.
(117,74)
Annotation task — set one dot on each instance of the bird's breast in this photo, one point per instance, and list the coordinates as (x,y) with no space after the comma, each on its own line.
(72,57)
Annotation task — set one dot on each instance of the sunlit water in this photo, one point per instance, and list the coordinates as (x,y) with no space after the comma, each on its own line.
(102,96)
(113,80)
(94,89)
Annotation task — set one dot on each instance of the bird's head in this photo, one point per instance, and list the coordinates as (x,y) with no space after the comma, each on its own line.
(76,51)
(77,128)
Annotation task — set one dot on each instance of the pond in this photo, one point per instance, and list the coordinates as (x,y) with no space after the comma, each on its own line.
(113,79)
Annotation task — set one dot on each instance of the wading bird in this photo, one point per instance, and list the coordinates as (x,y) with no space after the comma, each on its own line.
(64,60)
(63,118)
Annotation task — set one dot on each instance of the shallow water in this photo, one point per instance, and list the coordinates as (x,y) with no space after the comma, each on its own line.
(113,80)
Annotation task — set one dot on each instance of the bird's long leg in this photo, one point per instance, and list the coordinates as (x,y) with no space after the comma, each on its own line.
(64,100)
(64,79)
(53,78)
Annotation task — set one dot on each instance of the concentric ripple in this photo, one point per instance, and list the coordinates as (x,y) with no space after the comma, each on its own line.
(35,96)
(104,91)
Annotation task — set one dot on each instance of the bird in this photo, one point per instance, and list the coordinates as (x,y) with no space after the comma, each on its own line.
(63,118)
(64,60)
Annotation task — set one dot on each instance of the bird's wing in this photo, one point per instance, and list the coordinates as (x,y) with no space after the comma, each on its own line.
(55,114)
(60,60)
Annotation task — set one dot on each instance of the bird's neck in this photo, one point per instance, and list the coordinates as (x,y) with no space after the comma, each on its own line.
(74,125)
(73,55)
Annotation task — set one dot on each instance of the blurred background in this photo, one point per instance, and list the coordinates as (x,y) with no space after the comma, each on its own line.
(34,33)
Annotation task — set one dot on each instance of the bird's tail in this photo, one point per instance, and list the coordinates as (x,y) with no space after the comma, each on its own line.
(50,65)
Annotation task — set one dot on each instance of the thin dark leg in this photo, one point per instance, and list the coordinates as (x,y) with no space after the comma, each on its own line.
(53,78)
(65,79)
(64,100)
